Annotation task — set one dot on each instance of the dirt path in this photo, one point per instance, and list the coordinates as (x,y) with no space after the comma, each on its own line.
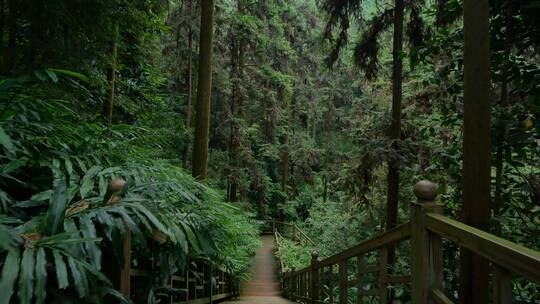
(263,288)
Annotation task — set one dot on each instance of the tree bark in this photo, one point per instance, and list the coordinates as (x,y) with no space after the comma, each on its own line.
(9,55)
(502,128)
(202,115)
(2,24)
(189,80)
(474,270)
(392,198)
(37,34)
(285,160)
(111,77)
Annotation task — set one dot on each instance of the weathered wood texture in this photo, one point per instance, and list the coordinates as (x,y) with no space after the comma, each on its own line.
(426,230)
(196,282)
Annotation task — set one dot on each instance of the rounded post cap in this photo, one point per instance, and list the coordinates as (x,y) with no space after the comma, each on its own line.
(425,190)
(314,254)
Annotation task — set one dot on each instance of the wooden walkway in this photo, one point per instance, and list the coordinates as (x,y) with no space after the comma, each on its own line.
(263,288)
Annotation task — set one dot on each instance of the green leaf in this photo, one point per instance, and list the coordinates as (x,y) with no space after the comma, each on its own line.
(52,75)
(6,142)
(70,74)
(26,277)
(57,208)
(80,281)
(10,272)
(89,232)
(88,181)
(61,270)
(41,277)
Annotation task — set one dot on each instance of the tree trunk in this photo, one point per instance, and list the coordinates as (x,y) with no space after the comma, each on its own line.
(189,80)
(261,203)
(502,128)
(9,55)
(37,34)
(285,161)
(111,77)
(392,198)
(2,25)
(202,115)
(325,188)
(474,270)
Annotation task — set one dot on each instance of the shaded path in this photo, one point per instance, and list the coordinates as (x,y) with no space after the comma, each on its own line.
(263,288)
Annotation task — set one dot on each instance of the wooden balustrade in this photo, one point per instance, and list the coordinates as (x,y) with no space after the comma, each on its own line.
(199,284)
(427,228)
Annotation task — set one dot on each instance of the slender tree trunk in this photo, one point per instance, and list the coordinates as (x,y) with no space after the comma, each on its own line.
(2,24)
(202,115)
(392,199)
(189,80)
(474,270)
(237,100)
(37,36)
(502,129)
(111,77)
(314,126)
(261,202)
(325,188)
(9,55)
(285,161)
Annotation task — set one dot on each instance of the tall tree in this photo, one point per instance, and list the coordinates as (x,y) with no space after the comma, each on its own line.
(474,270)
(108,105)
(9,54)
(202,110)
(189,77)
(392,197)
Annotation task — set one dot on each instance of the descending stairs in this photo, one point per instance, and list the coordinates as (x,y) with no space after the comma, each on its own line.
(263,288)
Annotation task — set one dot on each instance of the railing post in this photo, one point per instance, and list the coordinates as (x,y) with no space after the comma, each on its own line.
(125,269)
(314,278)
(294,284)
(343,283)
(426,257)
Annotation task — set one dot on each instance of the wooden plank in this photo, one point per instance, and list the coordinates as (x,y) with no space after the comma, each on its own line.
(139,272)
(360,265)
(516,258)
(439,297)
(343,288)
(502,286)
(206,300)
(393,236)
(383,263)
(398,279)
(125,270)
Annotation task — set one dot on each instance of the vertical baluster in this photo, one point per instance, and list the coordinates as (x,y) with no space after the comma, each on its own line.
(426,261)
(359,278)
(294,279)
(330,283)
(125,270)
(383,263)
(502,285)
(343,288)
(314,278)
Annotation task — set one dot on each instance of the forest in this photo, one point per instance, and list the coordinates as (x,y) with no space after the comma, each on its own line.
(165,140)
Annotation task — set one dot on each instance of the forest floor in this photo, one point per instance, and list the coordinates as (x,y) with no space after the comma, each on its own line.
(263,287)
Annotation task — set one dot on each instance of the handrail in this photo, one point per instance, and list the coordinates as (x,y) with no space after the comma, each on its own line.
(393,236)
(425,230)
(304,235)
(514,257)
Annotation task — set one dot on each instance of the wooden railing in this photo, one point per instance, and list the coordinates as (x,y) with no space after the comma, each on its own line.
(200,283)
(425,231)
(291,231)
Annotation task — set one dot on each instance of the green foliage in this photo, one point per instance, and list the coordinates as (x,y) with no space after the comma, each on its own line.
(58,208)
